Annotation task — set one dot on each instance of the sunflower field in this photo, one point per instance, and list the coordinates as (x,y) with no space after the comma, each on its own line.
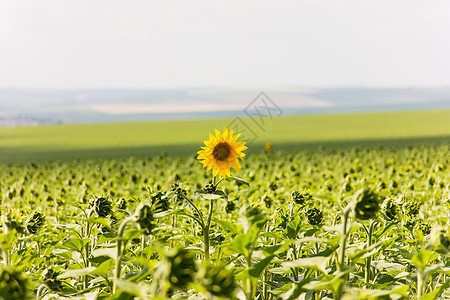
(358,223)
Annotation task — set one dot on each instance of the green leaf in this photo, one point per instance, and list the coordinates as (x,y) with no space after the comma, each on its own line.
(422,258)
(98,221)
(294,292)
(293,228)
(380,294)
(76,272)
(399,290)
(104,268)
(210,196)
(389,267)
(330,282)
(110,252)
(373,249)
(8,240)
(318,262)
(259,267)
(230,226)
(75,244)
(240,181)
(132,234)
(63,253)
(133,288)
(328,251)
(240,245)
(86,296)
(269,250)
(436,293)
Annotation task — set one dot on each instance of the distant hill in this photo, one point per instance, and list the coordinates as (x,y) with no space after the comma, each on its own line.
(33,107)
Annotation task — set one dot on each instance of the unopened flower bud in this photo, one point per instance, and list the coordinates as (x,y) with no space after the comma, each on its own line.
(390,209)
(210,188)
(231,206)
(144,214)
(411,208)
(367,205)
(182,268)
(102,206)
(314,216)
(35,223)
(268,201)
(301,198)
(218,281)
(13,285)
(424,227)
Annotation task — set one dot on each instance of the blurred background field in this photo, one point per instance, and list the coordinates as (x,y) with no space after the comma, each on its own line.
(185,137)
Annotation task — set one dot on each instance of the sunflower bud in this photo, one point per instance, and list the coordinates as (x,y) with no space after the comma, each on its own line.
(231,206)
(13,285)
(424,227)
(182,268)
(161,205)
(348,187)
(410,222)
(268,201)
(273,185)
(314,216)
(122,204)
(411,209)
(440,240)
(159,202)
(155,196)
(102,206)
(178,192)
(367,205)
(301,198)
(49,277)
(35,222)
(11,193)
(218,281)
(268,147)
(144,214)
(210,188)
(390,210)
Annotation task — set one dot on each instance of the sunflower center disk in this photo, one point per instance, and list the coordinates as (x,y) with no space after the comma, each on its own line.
(221,151)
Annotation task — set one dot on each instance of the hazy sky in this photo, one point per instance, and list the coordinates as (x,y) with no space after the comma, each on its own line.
(164,44)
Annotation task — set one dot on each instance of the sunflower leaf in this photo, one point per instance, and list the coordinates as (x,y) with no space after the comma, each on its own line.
(238,180)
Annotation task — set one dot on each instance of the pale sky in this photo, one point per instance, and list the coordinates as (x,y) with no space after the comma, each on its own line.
(61,44)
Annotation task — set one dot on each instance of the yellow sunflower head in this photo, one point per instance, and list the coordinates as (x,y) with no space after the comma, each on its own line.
(222,152)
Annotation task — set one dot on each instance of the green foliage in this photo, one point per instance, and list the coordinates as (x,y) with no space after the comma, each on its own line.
(264,242)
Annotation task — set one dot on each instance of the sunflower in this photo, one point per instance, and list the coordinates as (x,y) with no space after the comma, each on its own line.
(222,152)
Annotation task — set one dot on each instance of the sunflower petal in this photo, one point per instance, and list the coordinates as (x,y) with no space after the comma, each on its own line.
(223,162)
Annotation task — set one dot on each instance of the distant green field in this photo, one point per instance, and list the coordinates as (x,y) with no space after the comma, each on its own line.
(287,133)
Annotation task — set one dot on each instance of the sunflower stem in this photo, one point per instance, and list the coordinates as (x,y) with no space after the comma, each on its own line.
(206,230)
(199,214)
(119,253)
(369,259)
(341,259)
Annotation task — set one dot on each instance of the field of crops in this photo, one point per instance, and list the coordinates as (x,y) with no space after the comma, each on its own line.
(287,133)
(363,222)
